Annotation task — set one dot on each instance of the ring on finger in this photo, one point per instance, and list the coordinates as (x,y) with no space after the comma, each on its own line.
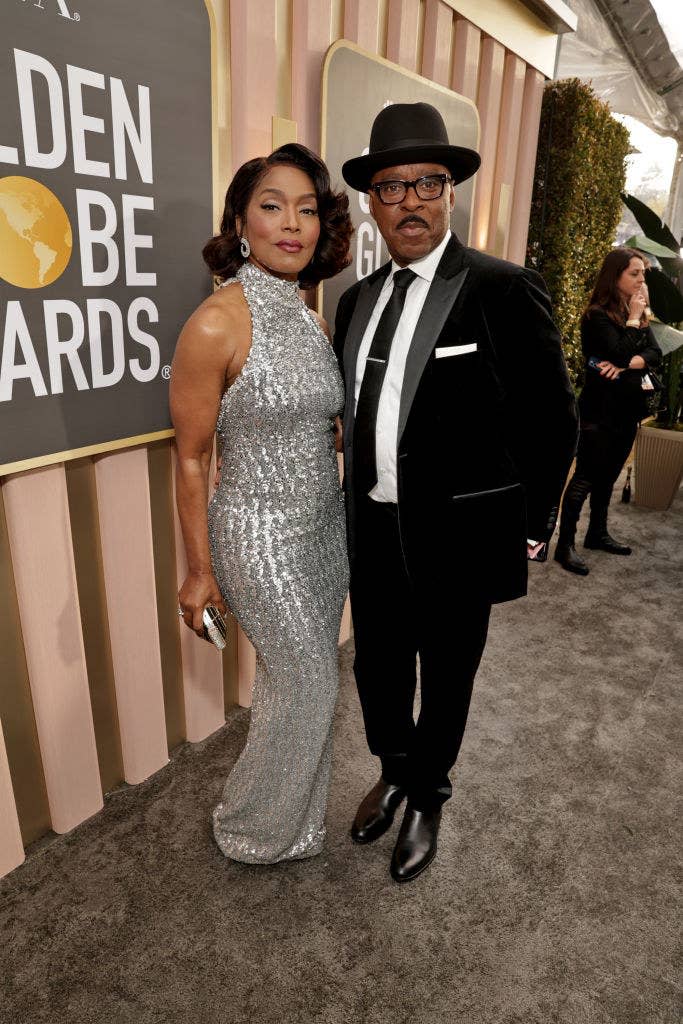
(180,611)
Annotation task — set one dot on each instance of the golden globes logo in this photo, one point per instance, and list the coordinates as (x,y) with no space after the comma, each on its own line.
(36,235)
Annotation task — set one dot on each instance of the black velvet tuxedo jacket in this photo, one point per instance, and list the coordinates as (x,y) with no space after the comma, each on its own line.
(485,437)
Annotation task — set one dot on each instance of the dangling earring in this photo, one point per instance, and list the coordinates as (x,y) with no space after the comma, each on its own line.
(245,248)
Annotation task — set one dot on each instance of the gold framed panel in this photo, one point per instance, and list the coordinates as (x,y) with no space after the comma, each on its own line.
(352,101)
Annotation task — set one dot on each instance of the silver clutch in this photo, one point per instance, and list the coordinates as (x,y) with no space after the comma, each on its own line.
(215,627)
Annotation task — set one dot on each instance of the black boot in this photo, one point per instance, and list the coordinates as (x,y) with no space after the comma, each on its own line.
(376,812)
(603,542)
(570,559)
(416,844)
(597,537)
(572,503)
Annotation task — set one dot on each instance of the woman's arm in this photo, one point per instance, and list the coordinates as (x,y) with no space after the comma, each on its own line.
(650,352)
(204,362)
(607,340)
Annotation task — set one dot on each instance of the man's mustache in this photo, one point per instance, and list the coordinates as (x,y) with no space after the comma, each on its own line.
(412,219)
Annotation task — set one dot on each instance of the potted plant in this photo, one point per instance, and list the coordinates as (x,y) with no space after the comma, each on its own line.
(659,444)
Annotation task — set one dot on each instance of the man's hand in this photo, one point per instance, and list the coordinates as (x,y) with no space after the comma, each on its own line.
(338,435)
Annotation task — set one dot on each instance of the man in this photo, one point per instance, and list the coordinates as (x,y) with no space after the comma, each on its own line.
(459,429)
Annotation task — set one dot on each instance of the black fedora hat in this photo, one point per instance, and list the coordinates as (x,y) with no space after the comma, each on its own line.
(409,133)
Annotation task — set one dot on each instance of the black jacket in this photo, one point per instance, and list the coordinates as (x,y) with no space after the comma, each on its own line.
(485,438)
(615,404)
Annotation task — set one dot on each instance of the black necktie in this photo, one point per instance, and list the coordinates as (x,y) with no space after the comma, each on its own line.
(364,460)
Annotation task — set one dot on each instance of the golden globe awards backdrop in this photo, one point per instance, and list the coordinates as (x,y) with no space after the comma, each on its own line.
(105,204)
(356,86)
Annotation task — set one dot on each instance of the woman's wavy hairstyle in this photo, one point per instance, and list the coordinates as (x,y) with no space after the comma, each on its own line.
(606,296)
(222,252)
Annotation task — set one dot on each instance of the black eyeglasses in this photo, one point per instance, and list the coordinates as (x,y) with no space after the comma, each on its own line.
(429,186)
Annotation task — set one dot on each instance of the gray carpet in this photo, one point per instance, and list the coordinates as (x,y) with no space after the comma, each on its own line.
(553,897)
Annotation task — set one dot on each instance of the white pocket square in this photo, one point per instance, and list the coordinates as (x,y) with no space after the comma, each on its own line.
(454,350)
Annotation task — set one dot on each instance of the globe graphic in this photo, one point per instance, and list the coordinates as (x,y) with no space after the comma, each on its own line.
(35,234)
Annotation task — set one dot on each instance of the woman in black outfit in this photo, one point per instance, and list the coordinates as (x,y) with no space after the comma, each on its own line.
(619,348)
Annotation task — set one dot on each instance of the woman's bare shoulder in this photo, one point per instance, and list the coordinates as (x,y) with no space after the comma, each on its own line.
(218,316)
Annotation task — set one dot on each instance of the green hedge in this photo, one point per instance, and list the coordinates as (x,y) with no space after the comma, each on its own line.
(576,204)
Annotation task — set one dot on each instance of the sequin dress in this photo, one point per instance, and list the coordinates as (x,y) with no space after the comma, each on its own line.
(276,527)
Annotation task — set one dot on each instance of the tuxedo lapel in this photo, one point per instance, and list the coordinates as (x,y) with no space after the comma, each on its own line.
(369,294)
(446,290)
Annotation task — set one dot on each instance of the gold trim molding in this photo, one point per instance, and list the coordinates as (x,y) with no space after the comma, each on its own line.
(79,453)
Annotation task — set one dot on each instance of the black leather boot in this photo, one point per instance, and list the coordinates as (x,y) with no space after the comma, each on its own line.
(603,542)
(416,844)
(376,812)
(570,559)
(597,537)
(572,503)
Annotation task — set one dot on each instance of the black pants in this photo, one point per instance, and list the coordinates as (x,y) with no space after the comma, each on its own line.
(602,453)
(392,625)
(600,458)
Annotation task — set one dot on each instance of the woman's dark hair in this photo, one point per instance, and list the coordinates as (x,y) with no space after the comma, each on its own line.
(606,296)
(222,252)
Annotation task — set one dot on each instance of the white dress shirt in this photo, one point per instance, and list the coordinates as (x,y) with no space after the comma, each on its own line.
(386,437)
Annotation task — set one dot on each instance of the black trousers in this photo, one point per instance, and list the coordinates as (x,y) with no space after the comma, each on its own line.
(600,458)
(393,624)
(602,453)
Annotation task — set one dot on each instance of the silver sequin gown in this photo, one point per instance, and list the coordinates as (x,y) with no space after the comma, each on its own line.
(276,526)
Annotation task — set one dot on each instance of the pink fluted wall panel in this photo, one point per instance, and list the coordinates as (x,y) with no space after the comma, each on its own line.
(128,560)
(466,52)
(11,846)
(253,77)
(361,23)
(39,530)
(506,154)
(311,38)
(436,49)
(403,32)
(202,664)
(488,102)
(526,164)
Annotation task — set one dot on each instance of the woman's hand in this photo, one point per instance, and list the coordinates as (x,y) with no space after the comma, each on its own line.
(198,590)
(338,434)
(637,363)
(608,369)
(637,305)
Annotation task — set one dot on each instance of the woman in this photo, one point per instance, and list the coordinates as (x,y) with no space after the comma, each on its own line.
(620,348)
(254,365)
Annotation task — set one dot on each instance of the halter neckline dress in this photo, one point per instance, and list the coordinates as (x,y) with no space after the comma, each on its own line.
(277,534)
